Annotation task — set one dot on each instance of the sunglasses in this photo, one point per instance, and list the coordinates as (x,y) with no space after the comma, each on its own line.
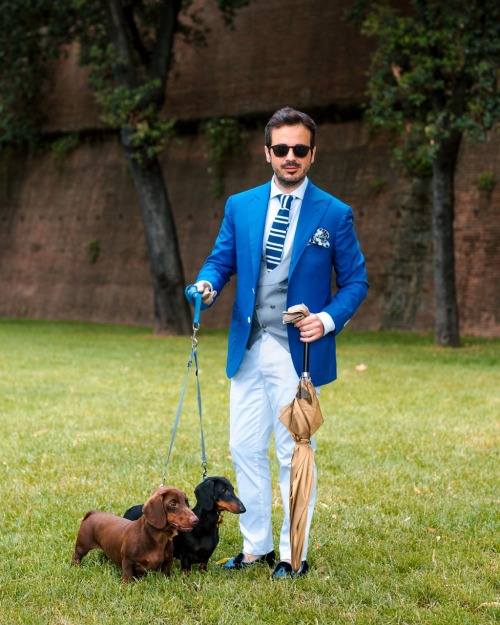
(282,149)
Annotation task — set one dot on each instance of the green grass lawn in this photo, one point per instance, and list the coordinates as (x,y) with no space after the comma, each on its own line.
(407,522)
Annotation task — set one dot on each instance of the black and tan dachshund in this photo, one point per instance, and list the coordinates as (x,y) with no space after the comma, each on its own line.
(214,496)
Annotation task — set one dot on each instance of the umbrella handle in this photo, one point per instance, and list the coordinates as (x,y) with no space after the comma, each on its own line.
(305,366)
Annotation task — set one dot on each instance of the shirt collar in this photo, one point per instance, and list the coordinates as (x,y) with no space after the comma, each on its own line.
(298,192)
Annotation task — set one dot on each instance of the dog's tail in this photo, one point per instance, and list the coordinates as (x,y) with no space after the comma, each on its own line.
(89,513)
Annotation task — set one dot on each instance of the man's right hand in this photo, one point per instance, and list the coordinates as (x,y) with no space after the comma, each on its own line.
(203,287)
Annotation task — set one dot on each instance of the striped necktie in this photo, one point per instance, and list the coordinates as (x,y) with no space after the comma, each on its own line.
(277,234)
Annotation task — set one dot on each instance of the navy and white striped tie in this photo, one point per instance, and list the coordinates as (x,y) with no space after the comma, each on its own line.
(277,234)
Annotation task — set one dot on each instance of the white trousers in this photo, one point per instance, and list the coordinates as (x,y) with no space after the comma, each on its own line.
(265,382)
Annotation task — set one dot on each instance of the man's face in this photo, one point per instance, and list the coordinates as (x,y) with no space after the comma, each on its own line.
(290,170)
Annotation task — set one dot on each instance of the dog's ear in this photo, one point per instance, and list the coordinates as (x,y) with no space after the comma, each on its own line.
(205,493)
(153,509)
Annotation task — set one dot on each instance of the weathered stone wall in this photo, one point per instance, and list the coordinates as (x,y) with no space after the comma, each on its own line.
(477,252)
(71,238)
(56,215)
(279,52)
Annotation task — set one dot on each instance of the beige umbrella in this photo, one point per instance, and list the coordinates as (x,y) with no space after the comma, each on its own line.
(302,417)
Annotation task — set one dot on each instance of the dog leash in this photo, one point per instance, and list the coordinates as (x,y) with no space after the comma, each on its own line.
(192,358)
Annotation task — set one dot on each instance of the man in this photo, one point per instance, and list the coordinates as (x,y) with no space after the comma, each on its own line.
(283,240)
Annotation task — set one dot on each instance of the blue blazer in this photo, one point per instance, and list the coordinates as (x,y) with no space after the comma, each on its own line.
(325,244)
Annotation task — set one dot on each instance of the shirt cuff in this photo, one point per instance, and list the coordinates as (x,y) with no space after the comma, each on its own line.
(206,282)
(327,321)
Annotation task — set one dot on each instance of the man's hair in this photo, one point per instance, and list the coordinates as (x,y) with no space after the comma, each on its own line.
(289,117)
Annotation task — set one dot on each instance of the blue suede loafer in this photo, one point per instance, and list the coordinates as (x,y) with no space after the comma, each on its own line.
(236,563)
(284,569)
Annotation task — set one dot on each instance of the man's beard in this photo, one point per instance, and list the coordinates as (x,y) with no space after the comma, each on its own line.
(290,182)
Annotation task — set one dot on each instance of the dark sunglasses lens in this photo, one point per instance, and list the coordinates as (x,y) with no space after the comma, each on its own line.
(280,150)
(300,150)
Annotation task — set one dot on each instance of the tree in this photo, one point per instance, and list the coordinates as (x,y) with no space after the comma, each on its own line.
(128,45)
(434,80)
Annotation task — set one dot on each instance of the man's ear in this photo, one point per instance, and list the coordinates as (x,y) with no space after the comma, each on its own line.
(267,153)
(313,154)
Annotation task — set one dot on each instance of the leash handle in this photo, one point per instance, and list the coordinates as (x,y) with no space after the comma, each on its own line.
(197,310)
(193,294)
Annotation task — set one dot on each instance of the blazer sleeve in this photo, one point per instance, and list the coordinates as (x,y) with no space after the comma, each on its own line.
(350,271)
(220,265)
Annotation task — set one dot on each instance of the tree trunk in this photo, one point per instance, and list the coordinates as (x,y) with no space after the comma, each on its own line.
(443,174)
(172,313)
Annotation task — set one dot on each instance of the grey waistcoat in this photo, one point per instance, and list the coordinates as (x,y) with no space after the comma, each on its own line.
(271,302)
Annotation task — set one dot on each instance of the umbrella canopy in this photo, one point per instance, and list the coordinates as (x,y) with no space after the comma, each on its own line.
(302,417)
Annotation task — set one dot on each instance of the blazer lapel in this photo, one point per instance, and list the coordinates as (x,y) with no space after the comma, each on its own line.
(311,212)
(256,216)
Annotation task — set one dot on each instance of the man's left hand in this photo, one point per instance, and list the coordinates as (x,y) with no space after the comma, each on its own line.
(311,328)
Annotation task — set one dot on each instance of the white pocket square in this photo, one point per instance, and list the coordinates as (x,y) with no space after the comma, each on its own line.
(320,237)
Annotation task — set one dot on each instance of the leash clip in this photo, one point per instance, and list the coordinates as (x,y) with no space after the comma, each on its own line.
(194,340)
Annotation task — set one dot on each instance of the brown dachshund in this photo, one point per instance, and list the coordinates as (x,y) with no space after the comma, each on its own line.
(142,545)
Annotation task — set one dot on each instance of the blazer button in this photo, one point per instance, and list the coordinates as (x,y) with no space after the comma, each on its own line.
(273,306)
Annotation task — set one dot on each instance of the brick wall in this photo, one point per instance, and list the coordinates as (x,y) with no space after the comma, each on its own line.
(56,214)
(279,52)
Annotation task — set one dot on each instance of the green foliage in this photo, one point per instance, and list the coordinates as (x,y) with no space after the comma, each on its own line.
(435,72)
(93,250)
(226,137)
(31,35)
(134,110)
(486,182)
(125,108)
(129,83)
(406,522)
(62,146)
(377,185)
(229,8)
